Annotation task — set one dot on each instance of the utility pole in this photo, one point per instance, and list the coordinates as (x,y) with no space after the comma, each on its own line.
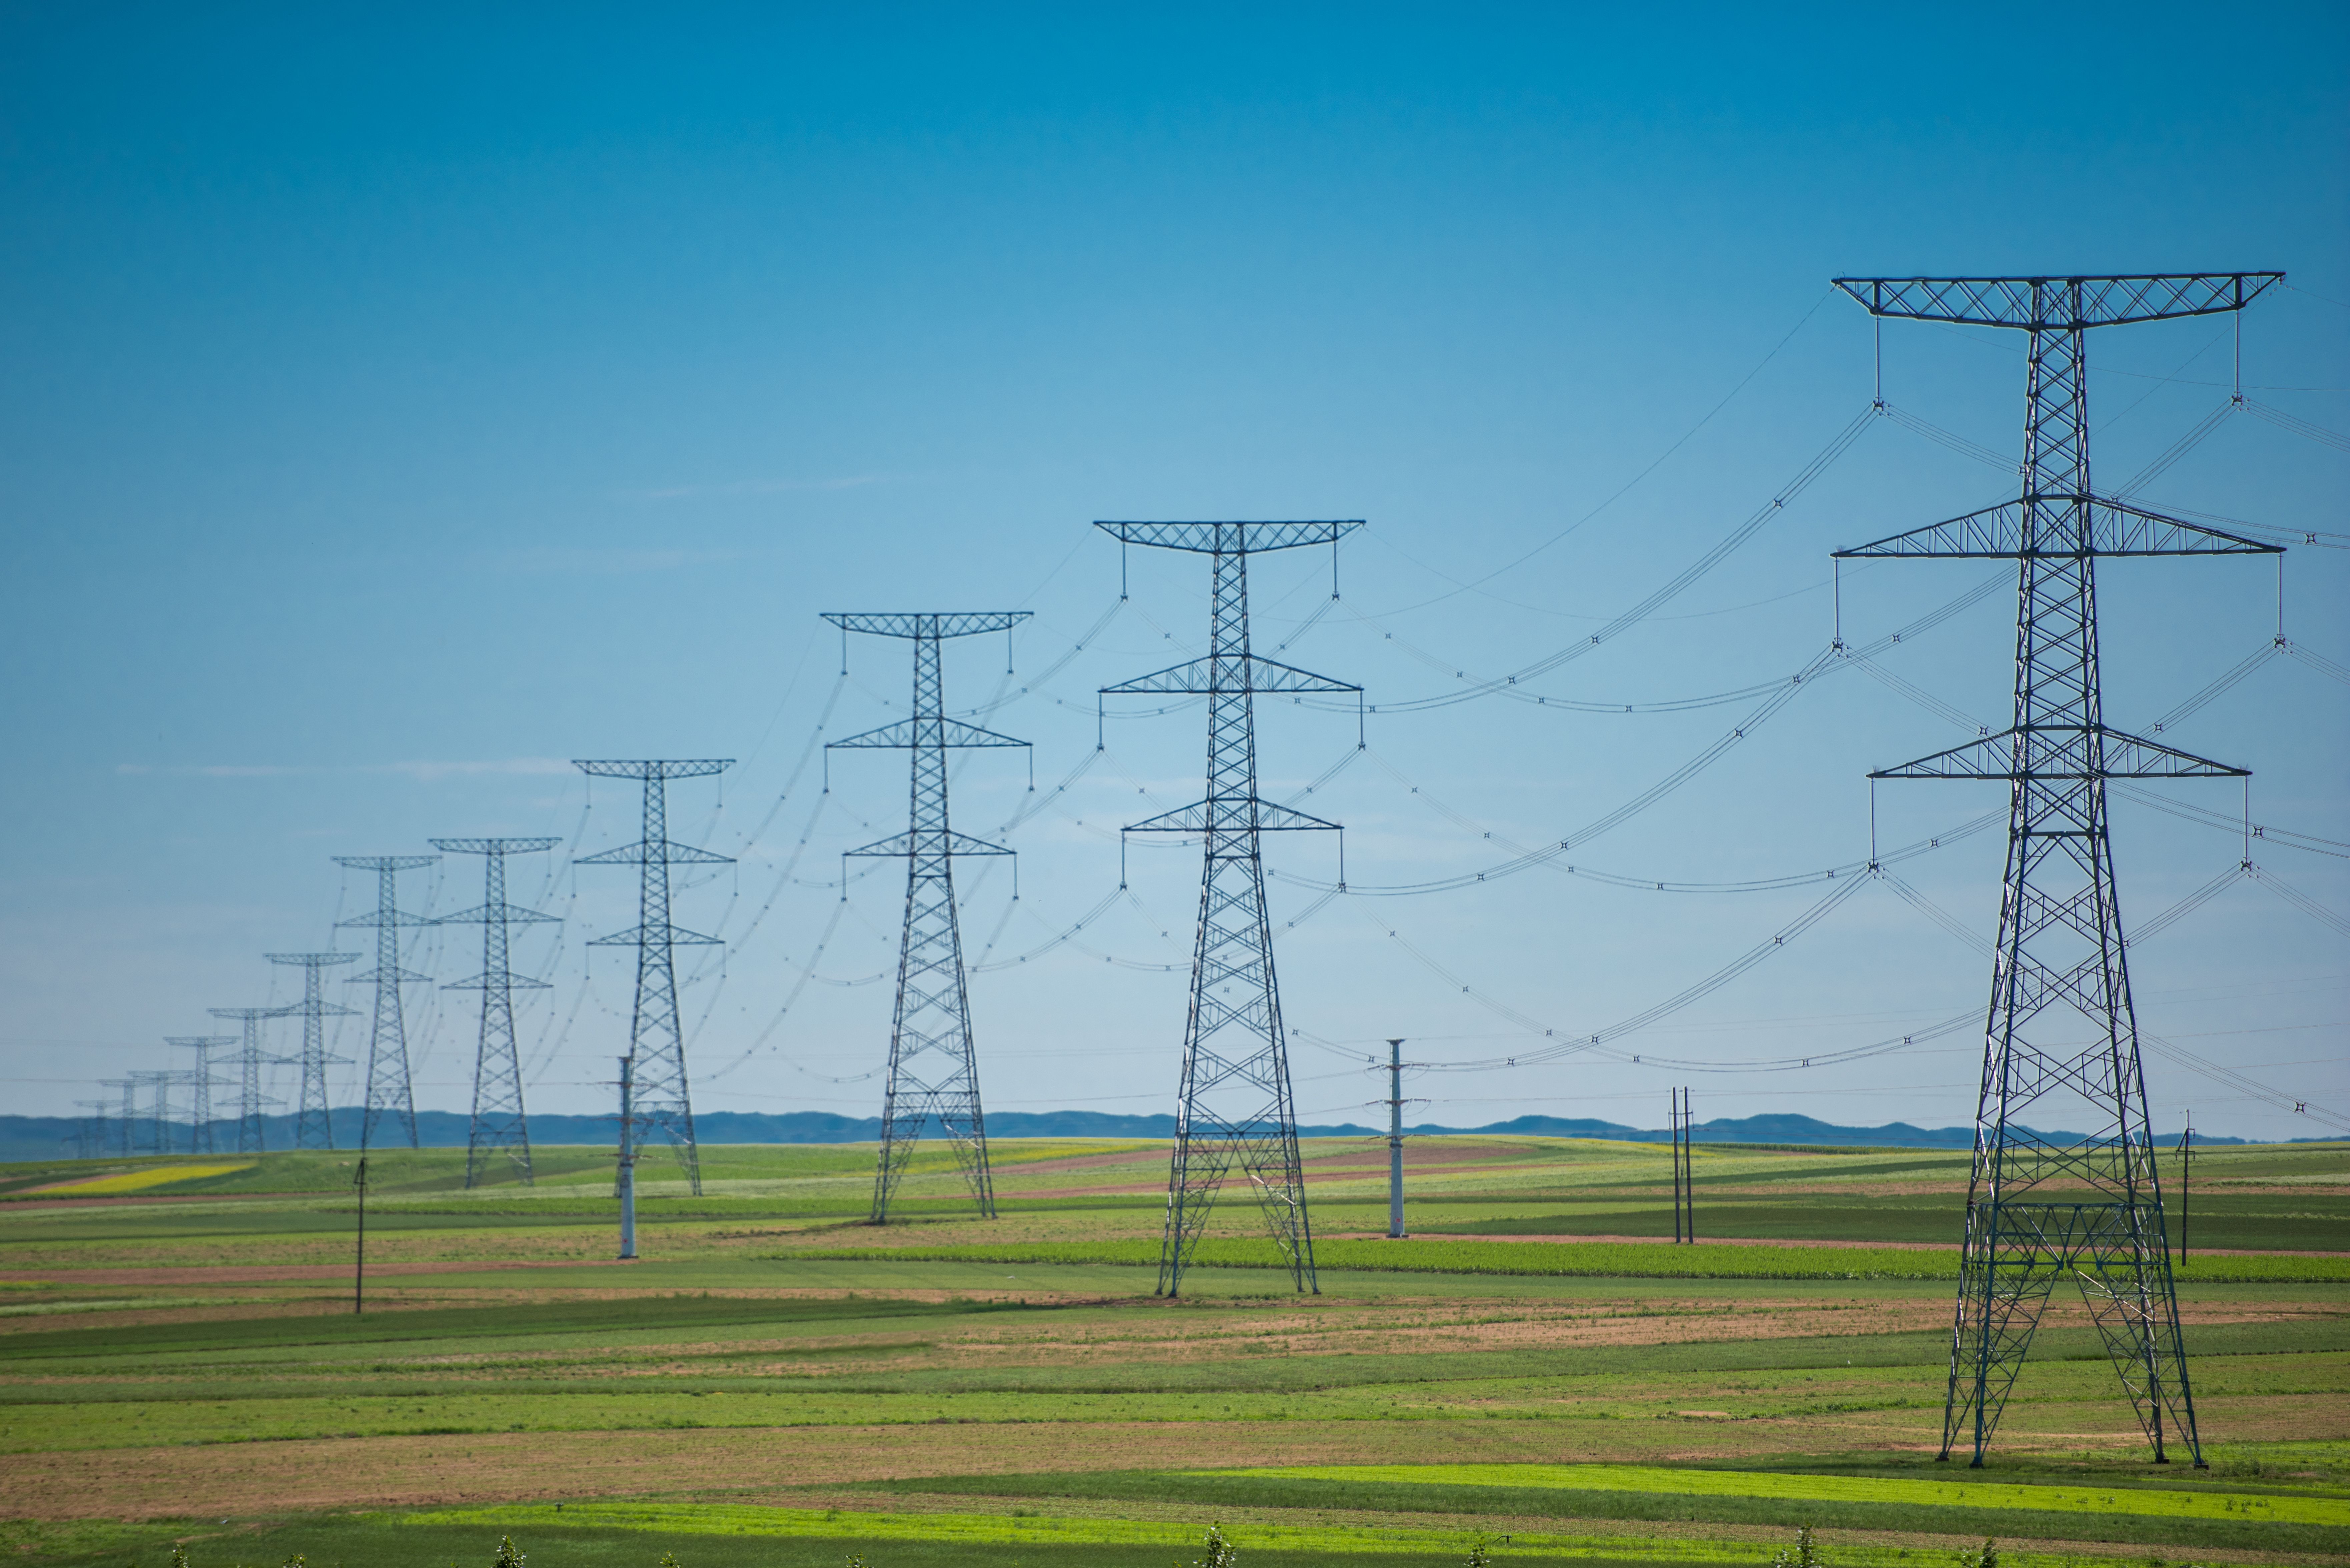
(2186,1159)
(313,1118)
(627,1182)
(499,1125)
(656,1040)
(1235,1106)
(2061,957)
(200,1108)
(388,1090)
(251,1137)
(933,1066)
(1684,1168)
(1395,1141)
(359,1262)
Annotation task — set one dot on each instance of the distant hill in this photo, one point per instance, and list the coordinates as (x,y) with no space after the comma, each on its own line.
(46,1137)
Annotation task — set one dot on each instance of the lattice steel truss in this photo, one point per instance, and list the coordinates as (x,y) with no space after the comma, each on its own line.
(388,1090)
(933,1070)
(251,1136)
(200,1086)
(2037,1208)
(1235,1107)
(500,1125)
(313,1119)
(662,1100)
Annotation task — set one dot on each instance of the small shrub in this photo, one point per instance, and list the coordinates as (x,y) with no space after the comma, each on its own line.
(1986,1558)
(1221,1553)
(178,1556)
(1805,1555)
(509,1554)
(669,1560)
(1479,1557)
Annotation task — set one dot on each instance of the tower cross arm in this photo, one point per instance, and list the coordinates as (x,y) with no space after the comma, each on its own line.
(1231,538)
(903,844)
(904,734)
(312,958)
(1202,815)
(2063,752)
(494,846)
(508,914)
(1210,674)
(666,852)
(2005,533)
(385,862)
(942,623)
(2058,304)
(695,768)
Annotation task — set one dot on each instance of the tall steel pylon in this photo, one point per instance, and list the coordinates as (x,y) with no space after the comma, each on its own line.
(158,1082)
(388,1090)
(500,1125)
(660,1098)
(1235,1106)
(251,1136)
(933,1070)
(200,1094)
(2037,1208)
(313,1118)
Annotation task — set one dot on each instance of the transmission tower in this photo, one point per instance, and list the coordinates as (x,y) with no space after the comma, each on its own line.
(313,1117)
(200,1095)
(499,1123)
(933,1070)
(2037,1208)
(89,1131)
(250,1136)
(1235,1107)
(388,1092)
(158,1082)
(122,1086)
(656,1044)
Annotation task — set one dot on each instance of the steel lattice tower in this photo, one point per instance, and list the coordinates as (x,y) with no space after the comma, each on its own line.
(499,1125)
(251,1137)
(388,1090)
(2037,1208)
(158,1082)
(1235,1106)
(661,1099)
(933,1070)
(200,1107)
(313,1118)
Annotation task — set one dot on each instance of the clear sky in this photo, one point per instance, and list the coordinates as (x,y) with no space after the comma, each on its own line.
(398,406)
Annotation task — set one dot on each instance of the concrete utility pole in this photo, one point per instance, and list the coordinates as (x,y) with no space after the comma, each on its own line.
(1395,1141)
(627,1182)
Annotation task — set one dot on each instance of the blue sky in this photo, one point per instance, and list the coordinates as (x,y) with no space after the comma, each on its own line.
(400,406)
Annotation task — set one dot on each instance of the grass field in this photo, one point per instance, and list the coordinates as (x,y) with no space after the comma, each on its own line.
(777,1383)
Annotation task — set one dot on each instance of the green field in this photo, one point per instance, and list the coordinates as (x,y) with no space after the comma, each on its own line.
(777,1383)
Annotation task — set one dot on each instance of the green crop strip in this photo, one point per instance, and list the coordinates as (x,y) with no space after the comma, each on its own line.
(1629,1259)
(2166,1504)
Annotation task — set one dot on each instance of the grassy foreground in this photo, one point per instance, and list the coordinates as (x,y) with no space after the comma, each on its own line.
(776,1383)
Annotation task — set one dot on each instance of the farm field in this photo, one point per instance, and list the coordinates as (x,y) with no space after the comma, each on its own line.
(777,1383)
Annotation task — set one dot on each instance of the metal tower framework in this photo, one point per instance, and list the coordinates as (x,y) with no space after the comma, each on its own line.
(1235,1107)
(158,1082)
(499,1125)
(251,1137)
(130,1109)
(200,1092)
(388,1090)
(933,1069)
(313,1120)
(660,1098)
(2036,1207)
